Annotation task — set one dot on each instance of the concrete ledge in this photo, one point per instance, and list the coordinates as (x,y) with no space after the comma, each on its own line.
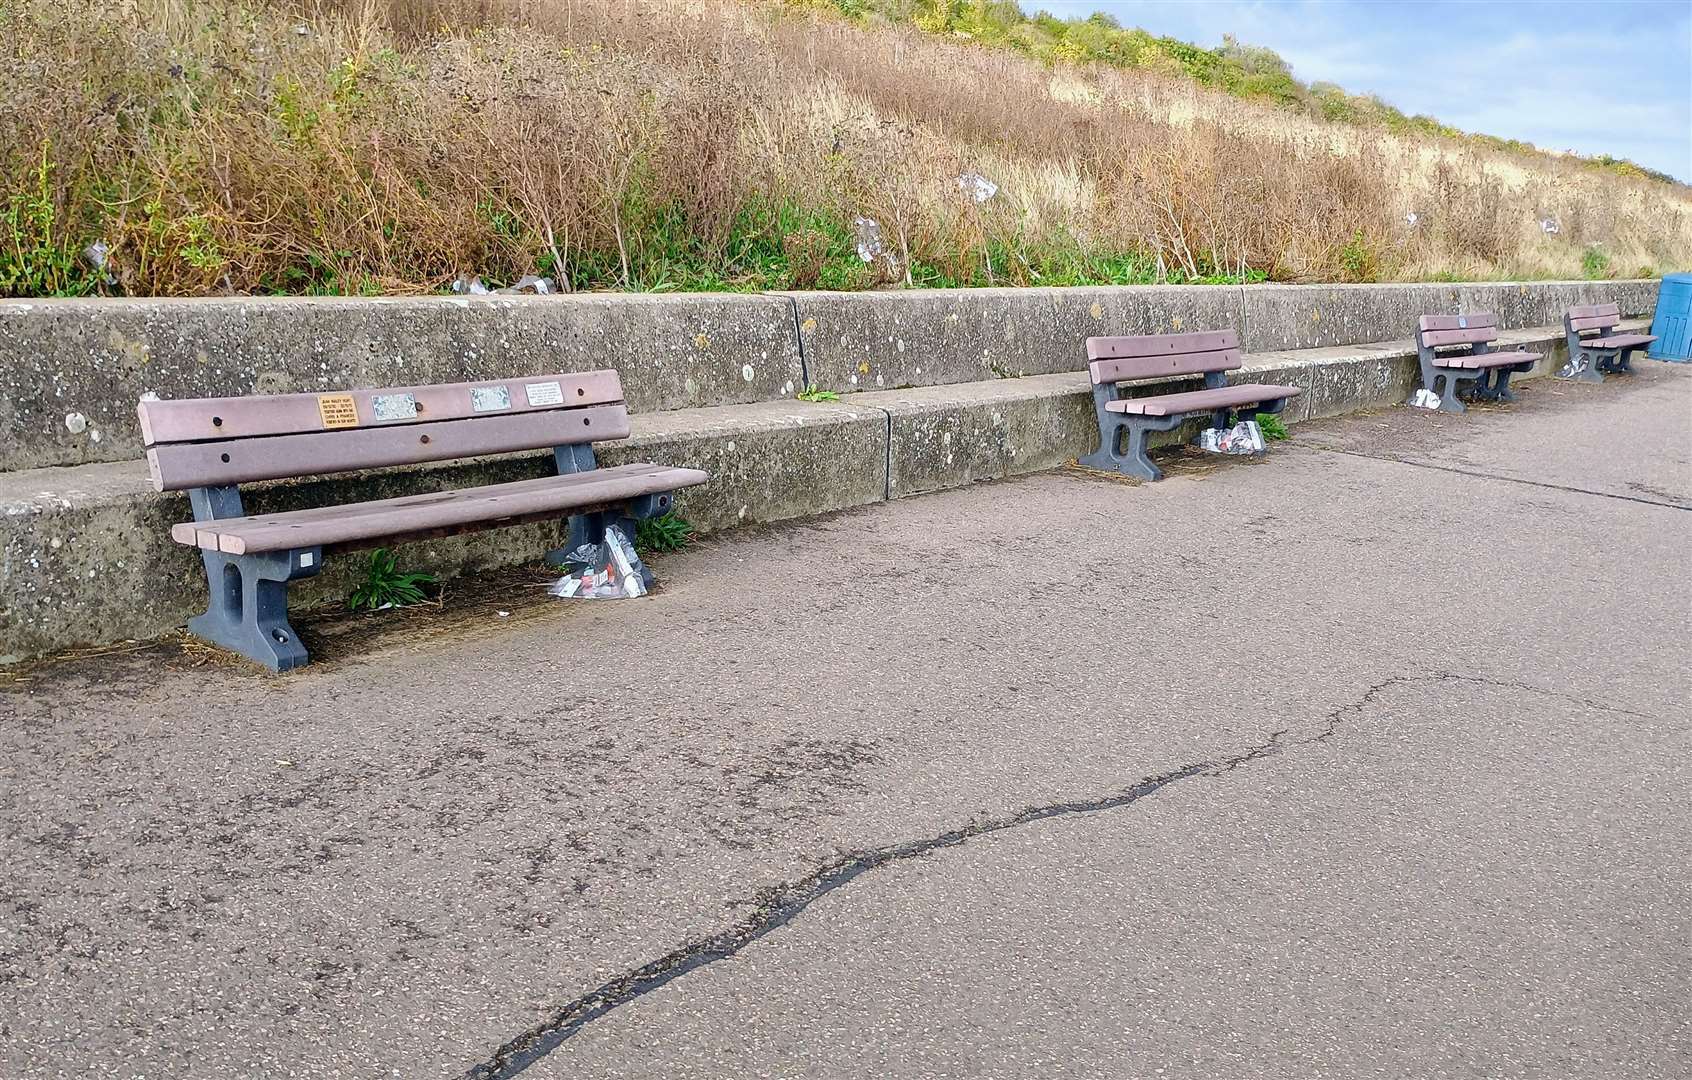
(87,558)
(95,358)
(948,436)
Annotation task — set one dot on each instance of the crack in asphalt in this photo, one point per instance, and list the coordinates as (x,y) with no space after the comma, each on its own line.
(779,905)
(1494,476)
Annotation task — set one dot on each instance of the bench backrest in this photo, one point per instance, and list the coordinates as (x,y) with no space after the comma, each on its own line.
(210,442)
(1437,331)
(1593,317)
(1151,356)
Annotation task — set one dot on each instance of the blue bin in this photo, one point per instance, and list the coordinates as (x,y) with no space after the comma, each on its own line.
(1673,321)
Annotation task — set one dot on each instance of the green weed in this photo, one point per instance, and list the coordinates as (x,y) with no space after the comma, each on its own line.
(1357,258)
(384,585)
(1595,264)
(667,532)
(35,258)
(815,393)
(1271,426)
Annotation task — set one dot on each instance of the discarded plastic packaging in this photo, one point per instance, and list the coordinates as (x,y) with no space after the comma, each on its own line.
(977,187)
(1244,437)
(540,286)
(869,238)
(1549,226)
(1425,399)
(1575,366)
(528,283)
(606,571)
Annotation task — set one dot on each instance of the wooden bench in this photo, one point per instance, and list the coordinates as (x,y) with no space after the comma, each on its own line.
(1605,350)
(1125,422)
(1457,349)
(210,446)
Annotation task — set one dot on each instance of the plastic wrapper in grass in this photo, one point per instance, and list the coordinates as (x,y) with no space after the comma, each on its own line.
(1244,437)
(606,571)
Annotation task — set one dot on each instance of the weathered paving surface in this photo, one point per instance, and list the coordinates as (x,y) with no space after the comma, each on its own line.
(1369,760)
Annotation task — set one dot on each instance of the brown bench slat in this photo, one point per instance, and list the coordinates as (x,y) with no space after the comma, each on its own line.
(354,525)
(1457,322)
(287,414)
(1129,369)
(1133,345)
(1618,341)
(1473,335)
(1201,400)
(1588,311)
(1489,360)
(1594,322)
(176,466)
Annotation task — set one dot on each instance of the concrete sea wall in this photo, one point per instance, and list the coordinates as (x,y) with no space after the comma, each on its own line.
(938,389)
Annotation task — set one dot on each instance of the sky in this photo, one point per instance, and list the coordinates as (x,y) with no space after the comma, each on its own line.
(1593,77)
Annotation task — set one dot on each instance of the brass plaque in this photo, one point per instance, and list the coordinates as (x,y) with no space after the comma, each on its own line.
(337,410)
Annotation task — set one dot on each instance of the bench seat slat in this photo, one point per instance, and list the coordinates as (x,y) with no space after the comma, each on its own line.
(234,461)
(1488,360)
(356,524)
(1201,400)
(197,419)
(1618,341)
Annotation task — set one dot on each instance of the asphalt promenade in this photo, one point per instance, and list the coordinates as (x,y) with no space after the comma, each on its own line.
(1371,759)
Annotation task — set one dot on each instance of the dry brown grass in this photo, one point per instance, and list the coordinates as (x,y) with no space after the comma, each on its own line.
(390,145)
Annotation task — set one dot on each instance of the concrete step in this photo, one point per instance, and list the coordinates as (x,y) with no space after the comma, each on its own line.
(88,559)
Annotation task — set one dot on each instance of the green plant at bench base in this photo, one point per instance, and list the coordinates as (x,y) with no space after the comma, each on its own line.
(1272,427)
(814,393)
(384,585)
(665,533)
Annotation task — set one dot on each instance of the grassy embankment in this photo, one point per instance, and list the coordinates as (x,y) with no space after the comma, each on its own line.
(363,146)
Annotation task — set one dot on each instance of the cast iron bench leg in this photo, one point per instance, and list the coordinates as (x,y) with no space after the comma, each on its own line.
(1136,462)
(248,608)
(247,595)
(1130,460)
(1593,371)
(1448,399)
(1501,384)
(1114,428)
(1494,384)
